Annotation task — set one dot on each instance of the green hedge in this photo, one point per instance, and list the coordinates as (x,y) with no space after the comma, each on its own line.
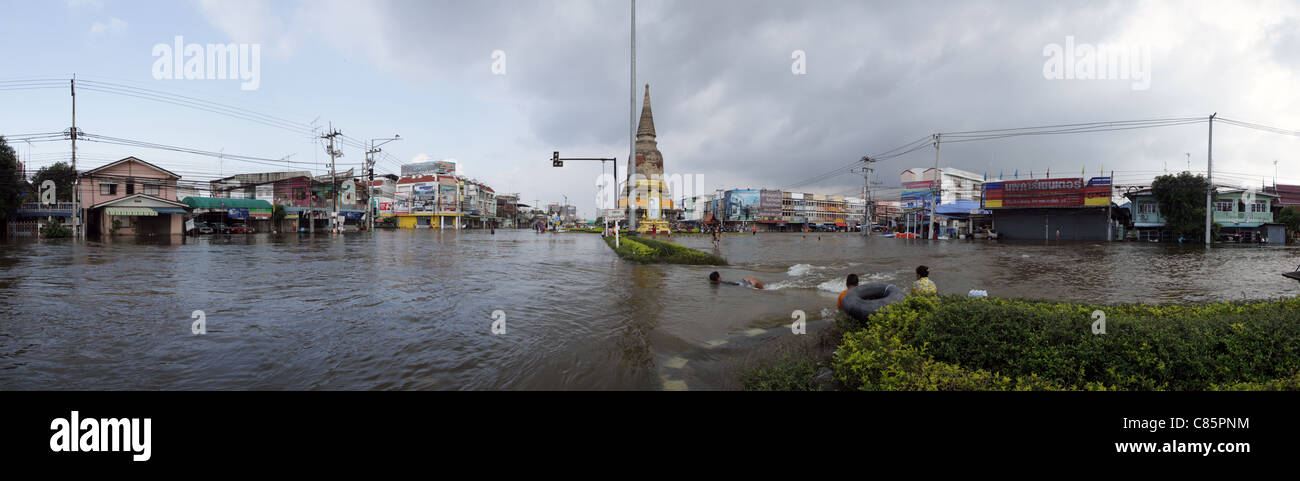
(996,344)
(787,374)
(640,249)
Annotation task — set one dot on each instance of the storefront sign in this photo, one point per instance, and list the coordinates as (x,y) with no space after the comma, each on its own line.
(1069,192)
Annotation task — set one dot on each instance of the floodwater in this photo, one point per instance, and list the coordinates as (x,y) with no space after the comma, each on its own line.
(415,309)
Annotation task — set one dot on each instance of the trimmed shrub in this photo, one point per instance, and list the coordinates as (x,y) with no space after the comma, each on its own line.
(787,374)
(991,344)
(640,249)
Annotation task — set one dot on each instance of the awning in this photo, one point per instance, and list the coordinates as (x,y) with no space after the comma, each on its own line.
(841,224)
(169,210)
(132,211)
(225,203)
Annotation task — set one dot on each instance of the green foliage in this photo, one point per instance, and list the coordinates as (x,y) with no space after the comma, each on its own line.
(52,229)
(63,176)
(996,344)
(277,213)
(1289,217)
(640,249)
(12,186)
(787,374)
(389,222)
(1181,199)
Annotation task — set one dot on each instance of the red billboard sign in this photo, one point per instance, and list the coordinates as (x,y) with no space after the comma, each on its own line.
(1040,193)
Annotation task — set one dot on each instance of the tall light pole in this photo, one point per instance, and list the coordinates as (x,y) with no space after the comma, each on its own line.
(631,132)
(1209,182)
(371,207)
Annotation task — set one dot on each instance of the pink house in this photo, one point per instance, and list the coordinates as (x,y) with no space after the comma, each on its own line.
(131,197)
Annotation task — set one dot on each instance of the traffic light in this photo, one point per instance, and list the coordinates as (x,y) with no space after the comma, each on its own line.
(555,160)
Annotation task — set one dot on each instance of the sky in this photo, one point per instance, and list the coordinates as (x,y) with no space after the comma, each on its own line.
(746,93)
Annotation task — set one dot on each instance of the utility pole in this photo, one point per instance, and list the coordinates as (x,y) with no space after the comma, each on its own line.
(334,187)
(631,133)
(866,193)
(1209,180)
(372,206)
(934,221)
(76,180)
(1110,191)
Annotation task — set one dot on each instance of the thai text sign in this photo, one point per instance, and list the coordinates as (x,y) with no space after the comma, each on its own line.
(1069,192)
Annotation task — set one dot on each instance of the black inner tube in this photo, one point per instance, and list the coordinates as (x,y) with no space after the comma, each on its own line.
(864,300)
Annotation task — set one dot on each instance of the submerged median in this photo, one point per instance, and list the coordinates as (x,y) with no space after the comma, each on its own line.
(958,343)
(651,251)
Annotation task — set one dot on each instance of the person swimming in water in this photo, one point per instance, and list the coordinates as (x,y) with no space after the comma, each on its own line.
(716,278)
(849,284)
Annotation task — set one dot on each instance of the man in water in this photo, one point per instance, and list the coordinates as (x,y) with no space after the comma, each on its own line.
(923,285)
(849,284)
(716,278)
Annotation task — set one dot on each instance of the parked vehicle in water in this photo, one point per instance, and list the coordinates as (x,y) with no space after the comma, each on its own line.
(240,228)
(220,228)
(201,228)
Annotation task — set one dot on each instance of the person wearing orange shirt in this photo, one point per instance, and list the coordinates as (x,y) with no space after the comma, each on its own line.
(850,283)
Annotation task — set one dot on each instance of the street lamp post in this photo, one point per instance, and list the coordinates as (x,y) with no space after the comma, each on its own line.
(371,207)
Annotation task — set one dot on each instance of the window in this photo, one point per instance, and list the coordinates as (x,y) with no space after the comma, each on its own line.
(151,188)
(130,188)
(1259,206)
(108,188)
(299,193)
(1147,208)
(1223,206)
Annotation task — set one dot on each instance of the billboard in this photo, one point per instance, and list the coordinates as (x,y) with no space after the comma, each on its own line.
(401,203)
(769,204)
(1069,192)
(742,204)
(436,167)
(919,194)
(447,198)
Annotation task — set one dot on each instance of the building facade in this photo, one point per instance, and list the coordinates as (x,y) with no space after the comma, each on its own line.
(130,197)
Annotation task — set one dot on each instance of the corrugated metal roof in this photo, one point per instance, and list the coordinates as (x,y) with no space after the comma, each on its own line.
(225,203)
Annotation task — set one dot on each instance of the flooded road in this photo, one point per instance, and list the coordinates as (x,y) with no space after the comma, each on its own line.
(414,309)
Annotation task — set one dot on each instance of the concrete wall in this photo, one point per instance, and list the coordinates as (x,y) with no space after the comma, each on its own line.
(1042,224)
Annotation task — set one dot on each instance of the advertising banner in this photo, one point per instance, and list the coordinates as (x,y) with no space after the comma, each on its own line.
(401,203)
(769,202)
(918,194)
(1068,192)
(237,213)
(743,205)
(447,198)
(259,214)
(434,167)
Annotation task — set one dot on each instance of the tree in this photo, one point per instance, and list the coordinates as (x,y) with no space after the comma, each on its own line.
(1182,202)
(63,176)
(1290,218)
(12,185)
